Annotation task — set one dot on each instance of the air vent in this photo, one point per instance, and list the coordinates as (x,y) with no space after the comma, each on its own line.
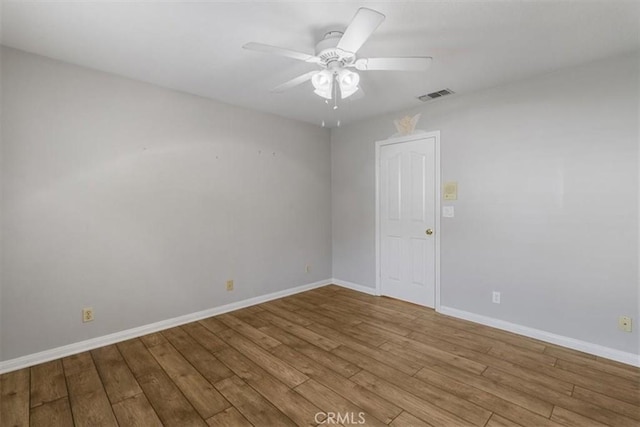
(434,95)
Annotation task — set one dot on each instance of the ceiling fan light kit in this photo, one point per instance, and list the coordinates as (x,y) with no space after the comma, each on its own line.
(348,82)
(336,54)
(323,83)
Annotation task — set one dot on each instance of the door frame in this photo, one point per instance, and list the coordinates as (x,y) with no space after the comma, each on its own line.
(399,140)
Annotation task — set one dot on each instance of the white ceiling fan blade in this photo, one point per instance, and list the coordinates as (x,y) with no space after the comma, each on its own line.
(295,81)
(364,23)
(418,63)
(281,51)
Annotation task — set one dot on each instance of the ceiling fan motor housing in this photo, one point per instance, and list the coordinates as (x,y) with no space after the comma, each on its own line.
(331,56)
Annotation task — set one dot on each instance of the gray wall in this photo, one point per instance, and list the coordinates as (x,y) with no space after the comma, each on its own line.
(547,210)
(141,202)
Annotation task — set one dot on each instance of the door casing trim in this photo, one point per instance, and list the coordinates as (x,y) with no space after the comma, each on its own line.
(399,140)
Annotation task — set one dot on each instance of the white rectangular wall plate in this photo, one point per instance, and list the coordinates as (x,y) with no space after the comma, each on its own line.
(495,297)
(448,212)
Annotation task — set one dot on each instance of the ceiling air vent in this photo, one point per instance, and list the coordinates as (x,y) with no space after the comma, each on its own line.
(434,95)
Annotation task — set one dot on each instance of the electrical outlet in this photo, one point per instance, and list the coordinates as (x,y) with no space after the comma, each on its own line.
(624,323)
(496,297)
(87,315)
(307,269)
(229,285)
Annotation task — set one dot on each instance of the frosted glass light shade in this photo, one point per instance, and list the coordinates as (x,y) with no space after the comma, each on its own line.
(348,81)
(323,83)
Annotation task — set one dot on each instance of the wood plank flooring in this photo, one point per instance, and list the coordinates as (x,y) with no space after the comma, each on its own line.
(329,356)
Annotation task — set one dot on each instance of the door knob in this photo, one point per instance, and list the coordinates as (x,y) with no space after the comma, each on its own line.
(429,231)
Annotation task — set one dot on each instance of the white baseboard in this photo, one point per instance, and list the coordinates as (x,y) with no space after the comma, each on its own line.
(79,347)
(355,287)
(586,347)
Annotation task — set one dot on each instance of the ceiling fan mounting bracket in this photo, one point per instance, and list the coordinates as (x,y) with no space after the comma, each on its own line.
(333,34)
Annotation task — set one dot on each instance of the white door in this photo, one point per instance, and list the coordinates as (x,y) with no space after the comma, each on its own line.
(407,219)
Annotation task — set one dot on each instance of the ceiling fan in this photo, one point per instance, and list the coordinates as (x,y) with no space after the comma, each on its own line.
(335,54)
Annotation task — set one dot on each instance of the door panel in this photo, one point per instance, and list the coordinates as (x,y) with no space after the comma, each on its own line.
(394,245)
(407,209)
(394,187)
(417,176)
(418,254)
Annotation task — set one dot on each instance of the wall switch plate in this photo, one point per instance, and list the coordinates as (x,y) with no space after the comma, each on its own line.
(624,323)
(229,285)
(87,315)
(307,269)
(448,212)
(496,297)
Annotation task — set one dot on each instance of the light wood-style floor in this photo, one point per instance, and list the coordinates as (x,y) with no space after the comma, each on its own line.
(329,350)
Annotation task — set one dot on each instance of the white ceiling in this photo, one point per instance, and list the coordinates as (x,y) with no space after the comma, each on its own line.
(195,47)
